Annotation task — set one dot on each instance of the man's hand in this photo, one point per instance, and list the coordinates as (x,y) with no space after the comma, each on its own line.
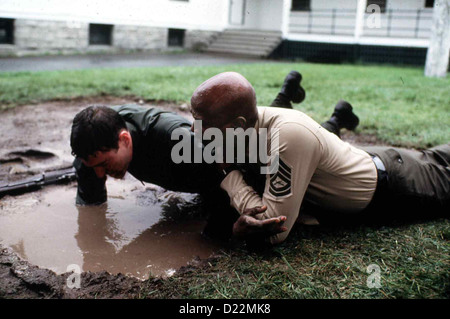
(248,225)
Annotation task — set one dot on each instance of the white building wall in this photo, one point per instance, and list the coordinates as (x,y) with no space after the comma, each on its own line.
(192,14)
(38,35)
(271,15)
(203,19)
(61,26)
(258,14)
(405,4)
(343,4)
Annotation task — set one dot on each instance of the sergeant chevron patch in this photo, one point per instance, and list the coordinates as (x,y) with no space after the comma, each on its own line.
(280,182)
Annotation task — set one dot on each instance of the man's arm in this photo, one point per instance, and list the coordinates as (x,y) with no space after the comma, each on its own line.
(91,189)
(299,152)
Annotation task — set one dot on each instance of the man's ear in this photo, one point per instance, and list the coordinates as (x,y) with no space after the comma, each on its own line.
(125,137)
(239,122)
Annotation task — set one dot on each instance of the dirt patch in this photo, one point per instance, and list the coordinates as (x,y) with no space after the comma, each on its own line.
(35,138)
(45,129)
(20,279)
(361,139)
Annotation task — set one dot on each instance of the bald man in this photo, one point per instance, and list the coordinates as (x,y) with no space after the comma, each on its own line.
(129,138)
(313,165)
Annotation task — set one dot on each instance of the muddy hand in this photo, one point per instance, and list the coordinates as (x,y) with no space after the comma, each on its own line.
(247,224)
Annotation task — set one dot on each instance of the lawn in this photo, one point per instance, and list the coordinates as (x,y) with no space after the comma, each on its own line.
(328,262)
(397,104)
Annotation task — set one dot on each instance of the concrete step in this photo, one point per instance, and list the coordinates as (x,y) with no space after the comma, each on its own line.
(246,42)
(225,46)
(239,52)
(252,32)
(262,44)
(246,35)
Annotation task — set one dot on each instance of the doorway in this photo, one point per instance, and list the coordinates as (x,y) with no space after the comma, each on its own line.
(237,12)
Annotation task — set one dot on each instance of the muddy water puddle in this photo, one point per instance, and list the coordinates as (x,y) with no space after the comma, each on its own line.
(141,230)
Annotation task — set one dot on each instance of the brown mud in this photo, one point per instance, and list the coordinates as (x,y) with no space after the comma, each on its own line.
(141,231)
(140,236)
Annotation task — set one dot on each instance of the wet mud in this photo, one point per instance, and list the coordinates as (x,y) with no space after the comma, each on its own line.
(141,234)
(20,279)
(140,231)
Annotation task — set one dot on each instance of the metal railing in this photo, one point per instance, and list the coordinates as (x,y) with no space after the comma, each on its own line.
(404,23)
(312,26)
(414,23)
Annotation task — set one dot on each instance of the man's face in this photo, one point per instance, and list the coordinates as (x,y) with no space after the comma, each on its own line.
(209,120)
(113,162)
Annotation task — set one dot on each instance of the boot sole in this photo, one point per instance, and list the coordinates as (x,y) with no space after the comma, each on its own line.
(345,108)
(299,96)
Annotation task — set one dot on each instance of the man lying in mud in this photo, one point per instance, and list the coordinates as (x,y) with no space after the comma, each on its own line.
(314,165)
(112,141)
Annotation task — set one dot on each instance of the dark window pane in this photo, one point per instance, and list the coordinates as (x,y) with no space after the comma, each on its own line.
(6,31)
(380,3)
(301,5)
(100,34)
(176,37)
(429,3)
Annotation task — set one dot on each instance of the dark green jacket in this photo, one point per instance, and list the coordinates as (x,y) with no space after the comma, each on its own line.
(151,130)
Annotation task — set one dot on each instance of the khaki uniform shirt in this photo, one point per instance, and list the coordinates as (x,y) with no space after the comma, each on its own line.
(313,164)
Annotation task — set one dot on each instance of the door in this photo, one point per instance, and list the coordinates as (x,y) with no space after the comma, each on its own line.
(237,12)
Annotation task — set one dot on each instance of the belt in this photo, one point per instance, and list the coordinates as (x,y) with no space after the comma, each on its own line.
(382,176)
(378,163)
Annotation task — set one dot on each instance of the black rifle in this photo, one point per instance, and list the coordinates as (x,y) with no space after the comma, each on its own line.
(35,182)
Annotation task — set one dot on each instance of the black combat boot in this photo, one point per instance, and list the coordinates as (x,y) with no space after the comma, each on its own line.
(290,91)
(292,88)
(344,116)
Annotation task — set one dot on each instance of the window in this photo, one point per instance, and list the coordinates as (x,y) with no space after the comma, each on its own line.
(176,37)
(301,5)
(380,3)
(100,34)
(429,3)
(6,31)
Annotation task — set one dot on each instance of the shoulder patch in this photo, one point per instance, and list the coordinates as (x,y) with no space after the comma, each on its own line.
(280,182)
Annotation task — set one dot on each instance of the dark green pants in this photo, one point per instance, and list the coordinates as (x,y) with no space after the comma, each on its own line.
(415,182)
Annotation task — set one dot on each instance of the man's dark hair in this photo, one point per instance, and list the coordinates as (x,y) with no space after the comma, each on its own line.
(96,128)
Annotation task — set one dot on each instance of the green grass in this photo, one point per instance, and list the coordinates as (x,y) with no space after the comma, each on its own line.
(326,262)
(397,104)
